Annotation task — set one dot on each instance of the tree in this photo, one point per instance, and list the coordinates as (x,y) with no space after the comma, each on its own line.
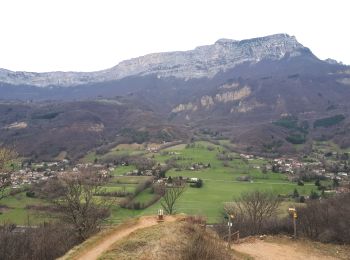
(300,183)
(76,204)
(6,156)
(314,195)
(252,210)
(295,193)
(171,195)
(264,169)
(317,183)
(335,182)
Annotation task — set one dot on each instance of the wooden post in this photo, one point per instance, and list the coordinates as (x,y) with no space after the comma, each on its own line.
(229,231)
(295,224)
(294,214)
(160,215)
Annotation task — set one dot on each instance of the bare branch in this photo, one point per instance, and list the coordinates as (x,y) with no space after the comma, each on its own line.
(7,155)
(171,195)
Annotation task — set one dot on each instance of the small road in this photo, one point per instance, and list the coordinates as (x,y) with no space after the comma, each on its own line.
(102,246)
(262,250)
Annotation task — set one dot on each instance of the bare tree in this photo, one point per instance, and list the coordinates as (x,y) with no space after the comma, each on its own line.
(6,156)
(76,202)
(253,209)
(171,195)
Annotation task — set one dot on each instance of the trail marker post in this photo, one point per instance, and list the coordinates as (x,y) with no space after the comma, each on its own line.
(293,213)
(230,217)
(160,215)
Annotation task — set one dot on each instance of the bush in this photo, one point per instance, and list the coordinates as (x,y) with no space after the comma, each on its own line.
(300,183)
(46,242)
(30,194)
(326,220)
(197,184)
(202,245)
(253,211)
(314,195)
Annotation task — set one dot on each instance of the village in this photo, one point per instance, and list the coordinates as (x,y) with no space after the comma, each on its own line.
(336,170)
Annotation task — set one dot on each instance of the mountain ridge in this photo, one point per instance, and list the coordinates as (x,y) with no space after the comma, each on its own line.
(203,61)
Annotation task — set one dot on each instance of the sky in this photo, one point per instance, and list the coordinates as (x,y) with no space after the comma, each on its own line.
(90,35)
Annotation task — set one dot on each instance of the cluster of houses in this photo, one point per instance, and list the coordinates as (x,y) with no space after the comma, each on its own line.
(286,165)
(35,173)
(292,166)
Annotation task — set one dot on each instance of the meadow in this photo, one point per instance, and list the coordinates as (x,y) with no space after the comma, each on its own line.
(220,184)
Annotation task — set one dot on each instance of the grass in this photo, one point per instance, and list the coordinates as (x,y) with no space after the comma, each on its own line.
(220,183)
(121,170)
(17,212)
(156,243)
(82,248)
(144,196)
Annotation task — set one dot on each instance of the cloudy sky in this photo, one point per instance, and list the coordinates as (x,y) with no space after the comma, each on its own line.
(88,35)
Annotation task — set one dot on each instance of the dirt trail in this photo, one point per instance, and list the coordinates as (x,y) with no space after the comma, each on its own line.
(263,250)
(102,246)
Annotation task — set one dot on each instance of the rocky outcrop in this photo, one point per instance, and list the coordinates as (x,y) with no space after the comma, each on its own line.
(233,95)
(185,107)
(246,107)
(207,101)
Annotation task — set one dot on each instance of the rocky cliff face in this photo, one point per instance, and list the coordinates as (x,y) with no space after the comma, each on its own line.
(203,61)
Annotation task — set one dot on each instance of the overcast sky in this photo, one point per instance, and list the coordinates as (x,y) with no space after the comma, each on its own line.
(88,35)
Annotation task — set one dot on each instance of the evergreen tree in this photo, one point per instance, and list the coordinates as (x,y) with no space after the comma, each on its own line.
(295,193)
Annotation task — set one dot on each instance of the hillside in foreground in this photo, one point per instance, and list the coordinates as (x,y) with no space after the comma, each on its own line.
(179,238)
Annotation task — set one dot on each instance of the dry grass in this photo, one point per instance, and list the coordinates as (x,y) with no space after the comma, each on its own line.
(171,241)
(82,248)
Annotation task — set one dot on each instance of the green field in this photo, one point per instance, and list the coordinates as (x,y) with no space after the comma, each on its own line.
(220,184)
(16,211)
(132,149)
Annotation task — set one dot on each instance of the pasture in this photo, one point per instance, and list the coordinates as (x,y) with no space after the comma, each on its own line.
(220,183)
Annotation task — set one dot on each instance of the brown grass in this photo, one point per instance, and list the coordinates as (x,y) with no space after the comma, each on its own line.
(171,241)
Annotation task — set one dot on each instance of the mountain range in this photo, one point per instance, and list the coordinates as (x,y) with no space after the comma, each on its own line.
(267,95)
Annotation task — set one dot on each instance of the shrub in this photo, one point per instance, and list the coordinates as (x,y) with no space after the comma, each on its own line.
(202,245)
(300,183)
(326,220)
(197,184)
(46,242)
(314,195)
(30,194)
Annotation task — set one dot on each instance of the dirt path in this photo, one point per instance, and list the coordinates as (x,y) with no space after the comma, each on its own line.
(102,246)
(263,250)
